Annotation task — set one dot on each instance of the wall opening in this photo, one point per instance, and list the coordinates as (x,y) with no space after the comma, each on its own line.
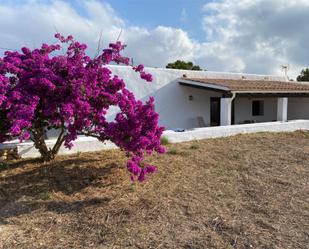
(215,105)
(257,108)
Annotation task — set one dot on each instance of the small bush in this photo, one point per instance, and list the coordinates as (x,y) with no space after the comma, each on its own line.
(194,147)
(3,165)
(164,141)
(45,195)
(173,151)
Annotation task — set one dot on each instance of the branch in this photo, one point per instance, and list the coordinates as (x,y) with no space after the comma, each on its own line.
(59,141)
(89,135)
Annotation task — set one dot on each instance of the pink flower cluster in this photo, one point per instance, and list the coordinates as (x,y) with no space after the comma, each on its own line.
(143,74)
(73,92)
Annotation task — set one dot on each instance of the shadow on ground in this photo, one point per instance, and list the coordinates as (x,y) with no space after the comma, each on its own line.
(30,188)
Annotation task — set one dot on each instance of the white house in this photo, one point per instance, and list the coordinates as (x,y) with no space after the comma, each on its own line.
(188,100)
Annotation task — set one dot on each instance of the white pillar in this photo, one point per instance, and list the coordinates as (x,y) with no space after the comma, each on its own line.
(226,111)
(282,109)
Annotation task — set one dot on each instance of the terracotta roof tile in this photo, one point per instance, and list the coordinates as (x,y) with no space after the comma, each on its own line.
(253,85)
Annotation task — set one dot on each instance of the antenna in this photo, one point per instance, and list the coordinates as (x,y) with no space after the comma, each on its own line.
(119,35)
(99,43)
(285,68)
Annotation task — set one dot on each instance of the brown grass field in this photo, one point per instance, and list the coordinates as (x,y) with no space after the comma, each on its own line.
(246,191)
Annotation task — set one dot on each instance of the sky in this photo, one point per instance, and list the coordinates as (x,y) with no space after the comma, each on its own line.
(249,36)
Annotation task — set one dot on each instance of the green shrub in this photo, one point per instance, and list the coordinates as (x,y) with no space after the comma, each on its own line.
(45,195)
(3,165)
(164,141)
(173,151)
(194,147)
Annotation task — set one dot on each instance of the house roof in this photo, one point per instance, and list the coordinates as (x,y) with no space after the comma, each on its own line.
(247,86)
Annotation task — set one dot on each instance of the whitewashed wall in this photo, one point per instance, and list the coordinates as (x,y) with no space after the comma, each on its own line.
(243,110)
(231,130)
(298,108)
(172,99)
(87,144)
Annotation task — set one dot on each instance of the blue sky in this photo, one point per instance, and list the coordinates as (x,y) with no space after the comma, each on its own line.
(251,36)
(184,14)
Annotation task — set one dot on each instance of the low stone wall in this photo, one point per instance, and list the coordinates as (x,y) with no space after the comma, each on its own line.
(88,144)
(82,144)
(224,131)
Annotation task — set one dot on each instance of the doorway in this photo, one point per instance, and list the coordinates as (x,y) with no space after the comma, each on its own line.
(215,111)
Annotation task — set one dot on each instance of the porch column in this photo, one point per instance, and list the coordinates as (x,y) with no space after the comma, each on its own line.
(226,111)
(282,109)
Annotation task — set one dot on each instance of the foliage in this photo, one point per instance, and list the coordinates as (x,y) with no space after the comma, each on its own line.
(164,141)
(41,89)
(3,165)
(304,75)
(45,195)
(173,151)
(183,65)
(194,147)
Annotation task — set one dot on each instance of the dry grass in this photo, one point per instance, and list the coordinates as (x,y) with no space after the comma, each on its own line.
(247,191)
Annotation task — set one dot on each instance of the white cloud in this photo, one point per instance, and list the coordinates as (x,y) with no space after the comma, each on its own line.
(159,46)
(260,35)
(255,36)
(35,22)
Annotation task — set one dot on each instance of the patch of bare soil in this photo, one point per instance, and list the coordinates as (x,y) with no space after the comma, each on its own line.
(247,191)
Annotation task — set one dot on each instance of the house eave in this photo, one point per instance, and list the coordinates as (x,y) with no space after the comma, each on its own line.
(265,94)
(247,93)
(203,85)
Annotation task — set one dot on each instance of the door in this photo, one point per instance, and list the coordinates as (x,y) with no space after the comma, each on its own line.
(214,111)
(233,111)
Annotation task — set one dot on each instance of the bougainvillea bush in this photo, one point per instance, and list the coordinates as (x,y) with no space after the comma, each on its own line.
(45,88)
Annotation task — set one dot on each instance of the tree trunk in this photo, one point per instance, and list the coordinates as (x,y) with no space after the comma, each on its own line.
(39,143)
(47,154)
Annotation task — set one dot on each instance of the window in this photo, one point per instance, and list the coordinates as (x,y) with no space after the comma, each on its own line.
(257,108)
